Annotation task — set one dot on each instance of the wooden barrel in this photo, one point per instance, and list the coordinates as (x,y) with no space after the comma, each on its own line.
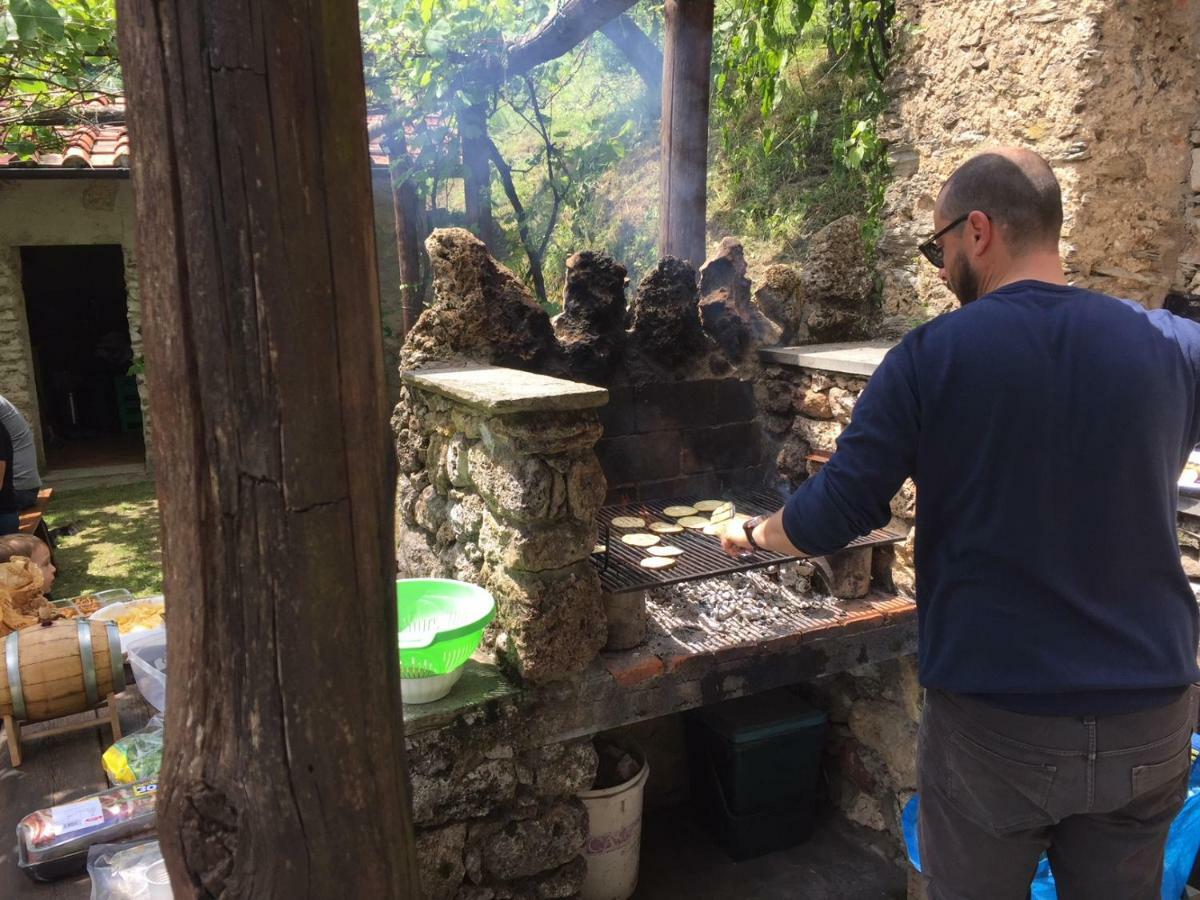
(59,669)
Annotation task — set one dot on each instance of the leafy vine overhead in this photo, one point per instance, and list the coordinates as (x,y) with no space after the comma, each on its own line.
(798,89)
(55,58)
(755,40)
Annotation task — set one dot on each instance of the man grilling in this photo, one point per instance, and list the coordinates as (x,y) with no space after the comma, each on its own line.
(1045,427)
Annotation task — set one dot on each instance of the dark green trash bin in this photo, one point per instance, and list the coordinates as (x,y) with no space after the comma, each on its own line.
(756,765)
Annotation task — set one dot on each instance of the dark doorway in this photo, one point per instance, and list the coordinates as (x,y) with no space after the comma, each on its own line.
(79,334)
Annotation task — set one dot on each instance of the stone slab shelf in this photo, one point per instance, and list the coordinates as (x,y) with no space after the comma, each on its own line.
(857,358)
(647,682)
(500,390)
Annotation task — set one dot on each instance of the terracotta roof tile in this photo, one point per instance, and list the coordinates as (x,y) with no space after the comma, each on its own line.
(107,147)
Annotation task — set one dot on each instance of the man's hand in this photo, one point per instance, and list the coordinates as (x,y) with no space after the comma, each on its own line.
(769,535)
(733,539)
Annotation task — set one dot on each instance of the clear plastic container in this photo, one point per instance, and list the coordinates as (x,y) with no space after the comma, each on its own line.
(148,659)
(120,612)
(132,871)
(104,598)
(53,842)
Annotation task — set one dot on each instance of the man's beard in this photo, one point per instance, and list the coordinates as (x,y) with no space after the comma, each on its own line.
(964,282)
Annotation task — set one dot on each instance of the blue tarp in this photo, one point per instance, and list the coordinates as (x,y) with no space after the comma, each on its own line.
(1183,842)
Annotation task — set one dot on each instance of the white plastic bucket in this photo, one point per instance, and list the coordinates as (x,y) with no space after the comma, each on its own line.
(614,841)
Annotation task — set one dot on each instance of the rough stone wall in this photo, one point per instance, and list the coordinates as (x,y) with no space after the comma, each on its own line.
(871,748)
(495,821)
(507,501)
(16,363)
(1107,91)
(1187,274)
(133,297)
(804,412)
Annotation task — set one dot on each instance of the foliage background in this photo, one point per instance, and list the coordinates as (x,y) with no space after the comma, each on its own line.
(797,91)
(53,57)
(794,145)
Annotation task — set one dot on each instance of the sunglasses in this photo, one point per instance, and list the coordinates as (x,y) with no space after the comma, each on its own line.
(930,249)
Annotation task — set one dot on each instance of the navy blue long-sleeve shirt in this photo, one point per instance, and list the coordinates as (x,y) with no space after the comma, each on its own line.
(1045,427)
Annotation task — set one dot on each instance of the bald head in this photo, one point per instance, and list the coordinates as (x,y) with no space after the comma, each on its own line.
(1017,190)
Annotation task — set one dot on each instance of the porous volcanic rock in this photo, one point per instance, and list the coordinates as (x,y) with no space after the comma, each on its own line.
(481,312)
(591,328)
(664,333)
(727,310)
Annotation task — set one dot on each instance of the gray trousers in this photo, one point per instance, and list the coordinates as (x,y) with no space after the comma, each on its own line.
(1097,794)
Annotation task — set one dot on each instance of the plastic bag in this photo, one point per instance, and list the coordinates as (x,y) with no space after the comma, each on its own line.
(133,871)
(137,756)
(1183,842)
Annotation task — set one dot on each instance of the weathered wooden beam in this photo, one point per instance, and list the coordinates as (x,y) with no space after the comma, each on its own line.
(683,166)
(406,210)
(284,767)
(477,181)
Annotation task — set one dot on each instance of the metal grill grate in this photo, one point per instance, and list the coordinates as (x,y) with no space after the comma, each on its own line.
(620,568)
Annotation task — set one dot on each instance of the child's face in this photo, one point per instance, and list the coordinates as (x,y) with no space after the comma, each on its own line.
(41,559)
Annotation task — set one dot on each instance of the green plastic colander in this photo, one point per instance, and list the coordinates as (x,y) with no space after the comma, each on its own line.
(441,623)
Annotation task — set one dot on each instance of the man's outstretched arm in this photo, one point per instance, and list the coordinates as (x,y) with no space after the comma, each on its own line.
(852,493)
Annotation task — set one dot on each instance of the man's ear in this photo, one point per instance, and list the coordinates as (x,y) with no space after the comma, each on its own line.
(980,232)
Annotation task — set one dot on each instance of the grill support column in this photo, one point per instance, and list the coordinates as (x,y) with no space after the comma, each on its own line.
(627,619)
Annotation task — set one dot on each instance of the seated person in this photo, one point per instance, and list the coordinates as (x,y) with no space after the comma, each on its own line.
(35,549)
(26,480)
(10,517)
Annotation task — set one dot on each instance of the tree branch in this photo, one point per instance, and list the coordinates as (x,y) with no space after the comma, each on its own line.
(510,189)
(640,51)
(544,131)
(560,31)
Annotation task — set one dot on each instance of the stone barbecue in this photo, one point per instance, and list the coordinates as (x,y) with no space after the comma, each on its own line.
(513,431)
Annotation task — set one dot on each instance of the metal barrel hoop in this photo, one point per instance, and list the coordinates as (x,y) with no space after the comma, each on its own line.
(116,656)
(88,659)
(12,661)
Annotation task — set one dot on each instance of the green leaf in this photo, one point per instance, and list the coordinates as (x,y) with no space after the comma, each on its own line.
(426,10)
(26,22)
(437,39)
(785,17)
(33,16)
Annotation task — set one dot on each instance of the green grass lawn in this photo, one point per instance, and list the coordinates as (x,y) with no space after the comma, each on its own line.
(116,544)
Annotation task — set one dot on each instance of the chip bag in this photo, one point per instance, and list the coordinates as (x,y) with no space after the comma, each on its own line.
(137,756)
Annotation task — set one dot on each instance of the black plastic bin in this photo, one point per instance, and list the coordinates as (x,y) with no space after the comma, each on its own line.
(756,765)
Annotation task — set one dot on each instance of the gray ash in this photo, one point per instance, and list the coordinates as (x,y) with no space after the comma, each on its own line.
(751,606)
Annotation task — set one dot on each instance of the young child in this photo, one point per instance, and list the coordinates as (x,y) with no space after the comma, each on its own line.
(35,549)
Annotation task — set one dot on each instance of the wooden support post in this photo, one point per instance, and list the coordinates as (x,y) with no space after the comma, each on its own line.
(476,150)
(683,167)
(12,734)
(97,718)
(114,717)
(406,208)
(284,769)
